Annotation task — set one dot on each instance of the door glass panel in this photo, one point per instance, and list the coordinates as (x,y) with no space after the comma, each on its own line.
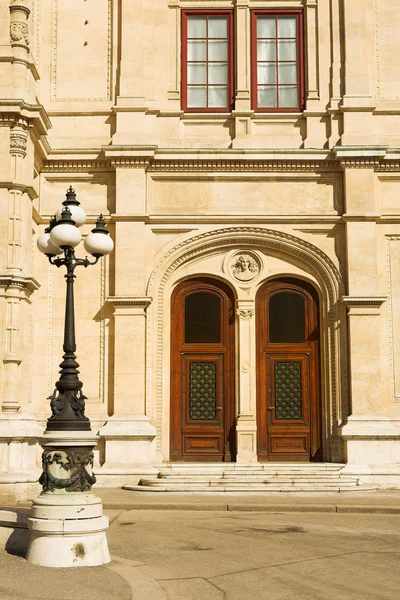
(202,391)
(286,318)
(202,318)
(287,386)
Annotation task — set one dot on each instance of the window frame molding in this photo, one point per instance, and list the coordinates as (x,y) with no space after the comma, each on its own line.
(299,14)
(230,60)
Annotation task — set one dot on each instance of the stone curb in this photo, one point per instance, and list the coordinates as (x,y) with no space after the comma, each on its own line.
(244,507)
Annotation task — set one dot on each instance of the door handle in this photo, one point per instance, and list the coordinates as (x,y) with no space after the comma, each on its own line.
(271,407)
(219,407)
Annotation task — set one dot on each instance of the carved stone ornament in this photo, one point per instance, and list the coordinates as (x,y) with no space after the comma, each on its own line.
(245,313)
(19,34)
(70,470)
(244,267)
(18,142)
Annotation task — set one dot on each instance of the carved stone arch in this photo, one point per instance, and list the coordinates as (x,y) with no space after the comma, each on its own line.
(295,250)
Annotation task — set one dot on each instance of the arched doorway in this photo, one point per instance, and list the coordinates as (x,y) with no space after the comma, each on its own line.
(288,388)
(202,372)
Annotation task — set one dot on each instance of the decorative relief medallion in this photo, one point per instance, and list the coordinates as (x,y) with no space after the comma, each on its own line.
(244,267)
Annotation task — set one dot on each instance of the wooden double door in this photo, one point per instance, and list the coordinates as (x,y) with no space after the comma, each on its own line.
(203,414)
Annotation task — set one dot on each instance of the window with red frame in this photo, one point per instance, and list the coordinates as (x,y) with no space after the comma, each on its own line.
(207,61)
(277,61)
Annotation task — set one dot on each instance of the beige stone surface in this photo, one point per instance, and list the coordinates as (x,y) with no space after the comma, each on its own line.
(90,95)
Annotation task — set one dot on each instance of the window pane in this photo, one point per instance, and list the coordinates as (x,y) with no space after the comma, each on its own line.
(266,50)
(196,97)
(197,73)
(196,27)
(202,318)
(217,27)
(286,318)
(217,97)
(218,73)
(288,96)
(266,73)
(287,27)
(217,50)
(266,27)
(267,97)
(287,72)
(196,50)
(287,50)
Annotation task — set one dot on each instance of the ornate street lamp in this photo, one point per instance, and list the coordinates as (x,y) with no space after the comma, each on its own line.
(67,526)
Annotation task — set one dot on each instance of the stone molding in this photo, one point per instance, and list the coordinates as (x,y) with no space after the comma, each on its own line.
(55,19)
(255,238)
(115,159)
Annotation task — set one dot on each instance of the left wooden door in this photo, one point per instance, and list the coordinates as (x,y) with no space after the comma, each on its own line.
(202,378)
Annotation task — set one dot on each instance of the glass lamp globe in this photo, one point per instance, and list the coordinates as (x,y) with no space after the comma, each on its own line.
(65,233)
(46,246)
(77,213)
(98,243)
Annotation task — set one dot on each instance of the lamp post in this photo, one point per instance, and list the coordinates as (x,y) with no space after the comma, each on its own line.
(67,526)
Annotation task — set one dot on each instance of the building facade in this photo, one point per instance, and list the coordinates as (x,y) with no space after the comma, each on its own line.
(246,156)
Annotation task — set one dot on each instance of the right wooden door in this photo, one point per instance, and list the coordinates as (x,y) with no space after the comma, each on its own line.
(288,403)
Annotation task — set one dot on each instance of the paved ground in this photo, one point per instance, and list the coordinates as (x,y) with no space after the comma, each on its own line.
(239,547)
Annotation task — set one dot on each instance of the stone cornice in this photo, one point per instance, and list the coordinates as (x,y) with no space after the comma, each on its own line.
(28,284)
(363,305)
(18,112)
(129,301)
(360,157)
(155,160)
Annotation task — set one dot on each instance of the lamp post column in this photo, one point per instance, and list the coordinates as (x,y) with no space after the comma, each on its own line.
(67,526)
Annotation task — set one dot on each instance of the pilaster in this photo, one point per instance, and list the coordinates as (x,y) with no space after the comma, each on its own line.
(128,434)
(246,427)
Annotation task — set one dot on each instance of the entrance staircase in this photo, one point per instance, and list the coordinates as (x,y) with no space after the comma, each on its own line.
(258,478)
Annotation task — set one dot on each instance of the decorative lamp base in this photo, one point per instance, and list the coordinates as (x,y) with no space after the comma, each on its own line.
(67,526)
(68,530)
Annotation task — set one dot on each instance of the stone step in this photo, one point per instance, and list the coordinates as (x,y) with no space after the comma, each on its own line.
(239,483)
(228,467)
(251,480)
(254,489)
